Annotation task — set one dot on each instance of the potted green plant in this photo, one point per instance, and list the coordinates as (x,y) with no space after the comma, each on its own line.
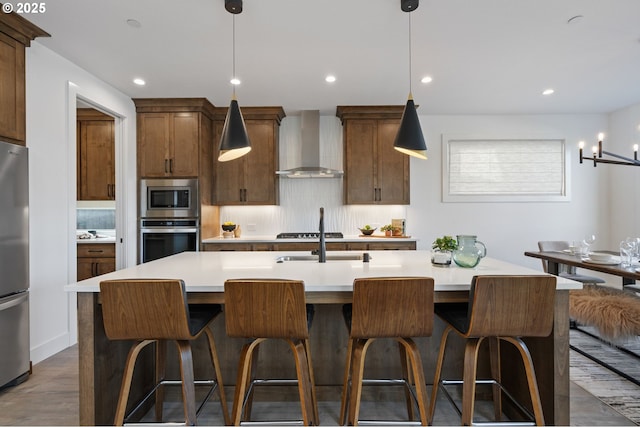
(390,230)
(442,249)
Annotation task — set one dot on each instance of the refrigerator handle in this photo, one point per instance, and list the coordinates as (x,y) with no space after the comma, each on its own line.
(13,300)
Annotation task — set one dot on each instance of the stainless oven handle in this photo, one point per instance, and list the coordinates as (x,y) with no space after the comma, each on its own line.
(169,230)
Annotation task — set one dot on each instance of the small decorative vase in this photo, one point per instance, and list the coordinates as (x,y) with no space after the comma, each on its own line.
(441,258)
(227,234)
(387,233)
(470,251)
(237,232)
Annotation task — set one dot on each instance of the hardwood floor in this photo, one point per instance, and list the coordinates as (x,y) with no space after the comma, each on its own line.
(50,397)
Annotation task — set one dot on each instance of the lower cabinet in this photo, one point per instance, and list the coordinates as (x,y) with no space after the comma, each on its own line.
(95,259)
(309,246)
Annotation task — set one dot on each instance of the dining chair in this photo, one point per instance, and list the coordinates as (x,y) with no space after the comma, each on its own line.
(264,309)
(151,311)
(569,271)
(387,307)
(500,308)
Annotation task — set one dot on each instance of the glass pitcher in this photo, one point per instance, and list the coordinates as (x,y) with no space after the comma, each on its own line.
(470,251)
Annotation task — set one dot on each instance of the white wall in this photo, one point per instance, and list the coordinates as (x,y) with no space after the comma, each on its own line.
(624,195)
(51,107)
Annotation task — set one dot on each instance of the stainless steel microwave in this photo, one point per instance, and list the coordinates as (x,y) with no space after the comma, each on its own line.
(169,198)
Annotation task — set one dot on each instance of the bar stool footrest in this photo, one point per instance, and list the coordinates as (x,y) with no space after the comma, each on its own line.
(213,386)
(518,405)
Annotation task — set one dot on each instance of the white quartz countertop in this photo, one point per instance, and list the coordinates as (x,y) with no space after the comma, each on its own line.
(273,239)
(207,271)
(101,236)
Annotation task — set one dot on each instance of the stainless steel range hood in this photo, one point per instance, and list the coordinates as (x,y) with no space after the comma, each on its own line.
(310,146)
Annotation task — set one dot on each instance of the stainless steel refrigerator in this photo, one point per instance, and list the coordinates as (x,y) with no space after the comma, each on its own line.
(14,264)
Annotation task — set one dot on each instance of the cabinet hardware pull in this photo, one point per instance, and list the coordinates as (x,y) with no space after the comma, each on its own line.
(170,165)
(97,251)
(244,192)
(165,165)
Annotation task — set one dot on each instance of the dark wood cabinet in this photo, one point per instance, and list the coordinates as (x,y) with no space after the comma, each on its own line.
(375,173)
(309,246)
(95,259)
(96,167)
(175,140)
(250,179)
(16,34)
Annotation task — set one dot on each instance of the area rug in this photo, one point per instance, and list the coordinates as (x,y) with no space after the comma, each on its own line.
(615,391)
(614,313)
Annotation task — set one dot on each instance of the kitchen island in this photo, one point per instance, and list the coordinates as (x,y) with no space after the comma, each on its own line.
(327,285)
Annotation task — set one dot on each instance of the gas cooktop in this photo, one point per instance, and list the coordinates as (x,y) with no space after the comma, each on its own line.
(310,235)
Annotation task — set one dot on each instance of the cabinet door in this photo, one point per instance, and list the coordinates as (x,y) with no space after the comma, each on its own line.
(96,165)
(153,144)
(183,149)
(260,166)
(229,176)
(360,161)
(393,167)
(85,268)
(104,265)
(12,90)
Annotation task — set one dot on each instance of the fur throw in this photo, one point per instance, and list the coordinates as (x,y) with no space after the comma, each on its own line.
(615,313)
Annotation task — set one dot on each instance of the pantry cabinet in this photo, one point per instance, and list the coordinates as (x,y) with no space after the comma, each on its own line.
(16,34)
(96,167)
(175,140)
(250,179)
(375,173)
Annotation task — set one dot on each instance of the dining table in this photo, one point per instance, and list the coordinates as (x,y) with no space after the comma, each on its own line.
(555,260)
(327,285)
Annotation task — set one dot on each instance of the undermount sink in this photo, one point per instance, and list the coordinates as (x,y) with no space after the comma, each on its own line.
(336,257)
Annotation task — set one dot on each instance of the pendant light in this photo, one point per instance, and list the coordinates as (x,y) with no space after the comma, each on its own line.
(409,139)
(234,142)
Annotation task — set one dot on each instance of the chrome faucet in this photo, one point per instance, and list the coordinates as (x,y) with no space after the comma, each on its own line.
(322,249)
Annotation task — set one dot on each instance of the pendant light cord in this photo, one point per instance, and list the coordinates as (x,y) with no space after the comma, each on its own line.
(234,55)
(410,87)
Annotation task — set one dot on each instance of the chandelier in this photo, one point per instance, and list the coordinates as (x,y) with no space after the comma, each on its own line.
(598,152)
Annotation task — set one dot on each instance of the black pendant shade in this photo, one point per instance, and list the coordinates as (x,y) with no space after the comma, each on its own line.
(235,141)
(409,139)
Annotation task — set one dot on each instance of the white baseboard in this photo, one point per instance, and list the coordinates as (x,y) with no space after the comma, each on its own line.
(51,347)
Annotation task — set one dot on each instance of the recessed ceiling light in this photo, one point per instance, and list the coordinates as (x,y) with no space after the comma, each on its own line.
(139,81)
(134,23)
(426,79)
(330,78)
(235,81)
(547,91)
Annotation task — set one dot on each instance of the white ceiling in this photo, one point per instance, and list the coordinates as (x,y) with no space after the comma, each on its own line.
(485,56)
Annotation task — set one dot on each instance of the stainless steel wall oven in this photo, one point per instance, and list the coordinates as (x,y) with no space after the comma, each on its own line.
(163,237)
(169,217)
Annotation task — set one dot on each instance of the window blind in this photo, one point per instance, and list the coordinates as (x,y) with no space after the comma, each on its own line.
(504,170)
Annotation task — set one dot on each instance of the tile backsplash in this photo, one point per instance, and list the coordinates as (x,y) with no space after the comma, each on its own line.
(95,219)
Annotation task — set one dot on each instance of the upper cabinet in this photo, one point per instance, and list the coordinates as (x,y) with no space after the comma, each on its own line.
(374,172)
(16,34)
(250,179)
(96,166)
(175,140)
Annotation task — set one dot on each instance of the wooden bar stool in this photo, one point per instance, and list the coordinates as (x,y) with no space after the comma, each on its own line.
(500,308)
(387,307)
(262,309)
(156,311)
